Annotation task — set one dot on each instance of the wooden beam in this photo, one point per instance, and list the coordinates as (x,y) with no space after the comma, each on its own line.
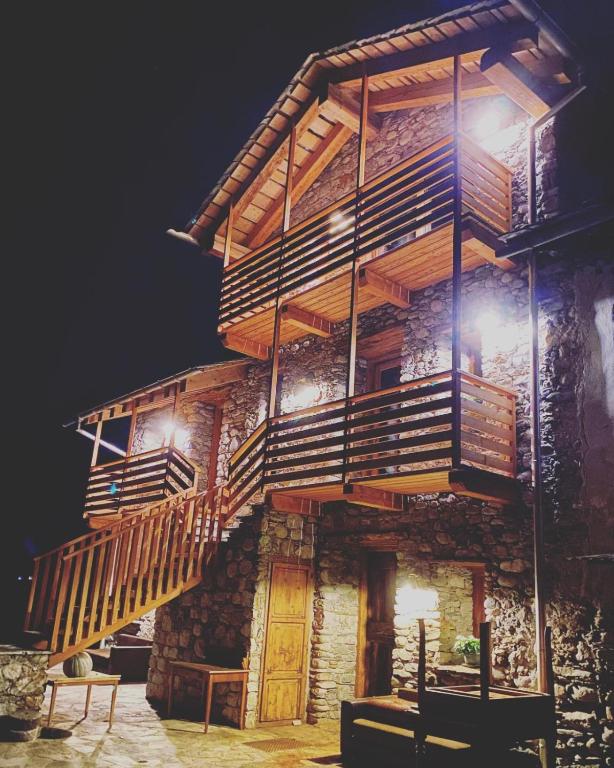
(279,156)
(246,346)
(306,321)
(293,505)
(481,241)
(378,498)
(313,166)
(518,35)
(341,106)
(216,377)
(376,285)
(517,83)
(475,85)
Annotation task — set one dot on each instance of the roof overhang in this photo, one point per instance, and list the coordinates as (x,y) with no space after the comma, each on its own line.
(406,66)
(191,382)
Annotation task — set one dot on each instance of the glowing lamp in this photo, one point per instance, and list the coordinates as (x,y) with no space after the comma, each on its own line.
(339,223)
(494,332)
(416,602)
(169,427)
(487,124)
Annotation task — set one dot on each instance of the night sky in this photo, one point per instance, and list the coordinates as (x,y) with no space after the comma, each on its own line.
(119,118)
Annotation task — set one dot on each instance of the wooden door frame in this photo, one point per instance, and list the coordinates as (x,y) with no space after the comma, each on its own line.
(360,680)
(308,567)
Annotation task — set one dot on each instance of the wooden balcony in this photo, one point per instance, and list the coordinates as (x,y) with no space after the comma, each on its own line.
(403,242)
(137,481)
(447,432)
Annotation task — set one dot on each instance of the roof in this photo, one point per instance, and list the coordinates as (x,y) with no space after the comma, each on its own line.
(209,377)
(303,90)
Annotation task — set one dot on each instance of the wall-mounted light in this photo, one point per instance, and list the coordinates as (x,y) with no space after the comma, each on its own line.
(416,602)
(169,428)
(304,396)
(339,224)
(496,333)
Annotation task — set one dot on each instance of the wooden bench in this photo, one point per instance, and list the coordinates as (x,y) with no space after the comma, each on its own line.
(213,674)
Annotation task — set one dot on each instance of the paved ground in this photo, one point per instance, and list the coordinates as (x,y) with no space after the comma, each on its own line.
(140,737)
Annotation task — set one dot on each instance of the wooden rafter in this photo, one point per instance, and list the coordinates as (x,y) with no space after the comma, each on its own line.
(435,92)
(342,106)
(278,157)
(306,321)
(481,241)
(246,346)
(518,35)
(374,497)
(516,81)
(294,505)
(394,293)
(304,178)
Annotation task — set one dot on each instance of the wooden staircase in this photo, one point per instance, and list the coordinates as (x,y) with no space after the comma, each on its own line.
(97,583)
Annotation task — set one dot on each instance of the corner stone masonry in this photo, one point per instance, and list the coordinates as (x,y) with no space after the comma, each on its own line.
(23,676)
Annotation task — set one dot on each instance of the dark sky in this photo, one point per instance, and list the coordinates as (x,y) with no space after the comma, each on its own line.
(119,118)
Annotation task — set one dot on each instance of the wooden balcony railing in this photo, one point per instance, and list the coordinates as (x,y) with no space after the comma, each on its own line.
(139,480)
(97,583)
(395,433)
(417,193)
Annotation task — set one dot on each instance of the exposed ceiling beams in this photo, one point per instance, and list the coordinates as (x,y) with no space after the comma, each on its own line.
(304,178)
(341,105)
(474,84)
(516,81)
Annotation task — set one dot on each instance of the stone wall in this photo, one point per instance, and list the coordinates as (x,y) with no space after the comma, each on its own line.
(23,676)
(577,343)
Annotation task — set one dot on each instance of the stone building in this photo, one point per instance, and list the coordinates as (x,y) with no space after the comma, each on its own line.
(371,450)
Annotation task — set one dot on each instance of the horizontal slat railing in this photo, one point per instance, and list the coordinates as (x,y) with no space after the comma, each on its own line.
(412,195)
(488,426)
(139,480)
(399,431)
(98,583)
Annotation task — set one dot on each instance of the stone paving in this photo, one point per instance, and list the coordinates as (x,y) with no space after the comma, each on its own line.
(141,737)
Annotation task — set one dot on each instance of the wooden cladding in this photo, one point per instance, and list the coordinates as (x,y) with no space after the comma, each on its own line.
(385,435)
(414,196)
(138,480)
(98,583)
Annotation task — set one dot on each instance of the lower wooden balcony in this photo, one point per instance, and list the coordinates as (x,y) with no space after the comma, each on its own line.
(400,228)
(136,481)
(451,432)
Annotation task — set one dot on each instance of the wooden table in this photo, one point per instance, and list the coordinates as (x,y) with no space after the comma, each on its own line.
(211,675)
(94,678)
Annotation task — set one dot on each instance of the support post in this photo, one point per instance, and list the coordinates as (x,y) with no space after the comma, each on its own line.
(485,660)
(421,663)
(133,414)
(353,319)
(228,238)
(457,270)
(96,443)
(272,407)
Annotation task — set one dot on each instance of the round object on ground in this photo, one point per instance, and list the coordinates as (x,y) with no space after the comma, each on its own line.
(79,665)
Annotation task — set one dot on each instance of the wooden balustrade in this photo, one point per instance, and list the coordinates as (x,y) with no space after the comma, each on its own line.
(138,480)
(413,196)
(95,584)
(390,434)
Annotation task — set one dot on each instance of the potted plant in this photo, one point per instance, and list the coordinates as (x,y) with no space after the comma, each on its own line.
(469,649)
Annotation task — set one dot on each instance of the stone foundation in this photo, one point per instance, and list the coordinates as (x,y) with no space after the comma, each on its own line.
(23,676)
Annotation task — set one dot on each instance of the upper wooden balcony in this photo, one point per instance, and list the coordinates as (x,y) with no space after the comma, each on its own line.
(403,241)
(137,481)
(450,432)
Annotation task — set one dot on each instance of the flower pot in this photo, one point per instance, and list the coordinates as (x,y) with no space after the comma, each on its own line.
(471,659)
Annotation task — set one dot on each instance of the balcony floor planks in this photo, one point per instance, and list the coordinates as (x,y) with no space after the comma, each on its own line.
(477,484)
(416,265)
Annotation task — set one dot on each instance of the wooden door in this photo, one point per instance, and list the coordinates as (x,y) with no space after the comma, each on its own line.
(376,638)
(285,652)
